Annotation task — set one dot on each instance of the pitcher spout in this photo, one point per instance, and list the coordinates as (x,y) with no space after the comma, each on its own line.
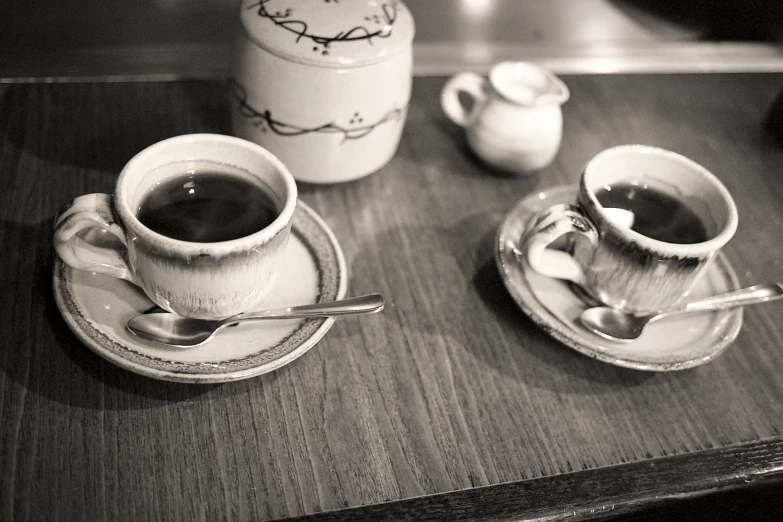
(527,83)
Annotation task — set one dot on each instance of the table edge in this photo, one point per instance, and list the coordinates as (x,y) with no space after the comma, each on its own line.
(606,491)
(209,60)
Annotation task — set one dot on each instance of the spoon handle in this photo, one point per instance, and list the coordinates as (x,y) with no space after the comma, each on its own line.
(365,304)
(746,296)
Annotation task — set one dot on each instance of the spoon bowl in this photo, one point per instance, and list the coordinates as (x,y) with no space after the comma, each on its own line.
(185,332)
(617,325)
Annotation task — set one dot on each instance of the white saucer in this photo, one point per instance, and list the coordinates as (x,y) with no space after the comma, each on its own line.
(672,344)
(97,308)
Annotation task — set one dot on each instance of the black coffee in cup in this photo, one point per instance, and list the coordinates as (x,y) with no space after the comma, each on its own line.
(657,215)
(207,207)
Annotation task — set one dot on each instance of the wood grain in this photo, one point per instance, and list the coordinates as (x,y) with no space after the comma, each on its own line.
(699,486)
(450,388)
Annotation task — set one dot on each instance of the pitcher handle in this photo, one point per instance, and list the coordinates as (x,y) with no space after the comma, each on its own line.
(471,84)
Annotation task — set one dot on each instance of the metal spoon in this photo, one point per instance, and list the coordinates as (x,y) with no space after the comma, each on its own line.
(175,330)
(617,325)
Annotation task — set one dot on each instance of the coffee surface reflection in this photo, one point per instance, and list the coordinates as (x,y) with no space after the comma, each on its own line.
(207,207)
(657,215)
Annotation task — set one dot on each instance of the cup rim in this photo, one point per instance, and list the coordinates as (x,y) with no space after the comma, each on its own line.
(671,249)
(129,219)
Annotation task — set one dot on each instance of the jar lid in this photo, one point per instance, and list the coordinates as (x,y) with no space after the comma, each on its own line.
(329,33)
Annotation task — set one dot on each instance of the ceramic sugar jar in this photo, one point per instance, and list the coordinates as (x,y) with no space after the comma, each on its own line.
(324,85)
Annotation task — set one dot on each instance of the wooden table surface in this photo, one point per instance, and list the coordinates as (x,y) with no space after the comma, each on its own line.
(451,403)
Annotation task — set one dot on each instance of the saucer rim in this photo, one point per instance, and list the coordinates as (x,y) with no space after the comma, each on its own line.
(71,313)
(523,295)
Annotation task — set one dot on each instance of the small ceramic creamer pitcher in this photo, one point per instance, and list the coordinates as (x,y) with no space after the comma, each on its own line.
(515,122)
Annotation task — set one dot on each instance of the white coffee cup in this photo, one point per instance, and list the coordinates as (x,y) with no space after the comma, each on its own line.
(611,260)
(202,280)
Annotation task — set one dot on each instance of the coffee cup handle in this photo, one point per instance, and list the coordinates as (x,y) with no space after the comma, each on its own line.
(548,226)
(471,84)
(83,213)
